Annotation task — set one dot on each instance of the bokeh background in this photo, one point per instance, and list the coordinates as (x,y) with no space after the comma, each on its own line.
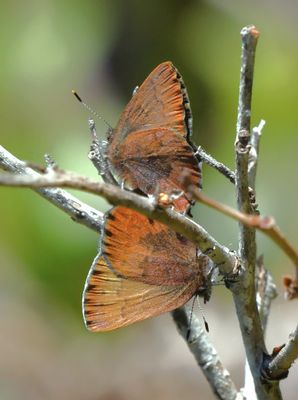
(104,49)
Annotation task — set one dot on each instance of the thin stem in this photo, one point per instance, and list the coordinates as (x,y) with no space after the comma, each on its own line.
(220,167)
(266,225)
(247,247)
(244,293)
(205,354)
(250,37)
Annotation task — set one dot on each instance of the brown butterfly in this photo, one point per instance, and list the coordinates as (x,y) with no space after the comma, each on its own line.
(149,149)
(143,269)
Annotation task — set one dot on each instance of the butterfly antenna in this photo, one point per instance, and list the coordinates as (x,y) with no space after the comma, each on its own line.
(190,318)
(203,316)
(90,109)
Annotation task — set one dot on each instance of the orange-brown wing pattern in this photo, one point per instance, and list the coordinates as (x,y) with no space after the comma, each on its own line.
(156,161)
(138,248)
(161,101)
(110,302)
(145,269)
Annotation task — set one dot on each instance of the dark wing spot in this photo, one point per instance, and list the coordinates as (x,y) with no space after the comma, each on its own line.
(108,233)
(111,217)
(181,238)
(97,272)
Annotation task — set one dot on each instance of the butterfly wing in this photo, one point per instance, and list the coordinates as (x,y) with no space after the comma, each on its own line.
(161,101)
(110,302)
(157,160)
(138,248)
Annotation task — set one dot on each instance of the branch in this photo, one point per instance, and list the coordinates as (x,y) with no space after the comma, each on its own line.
(266,288)
(75,208)
(219,254)
(267,225)
(247,247)
(279,367)
(266,292)
(250,36)
(218,376)
(244,293)
(206,355)
(220,167)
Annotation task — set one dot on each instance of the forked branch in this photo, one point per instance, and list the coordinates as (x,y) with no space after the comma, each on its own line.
(219,254)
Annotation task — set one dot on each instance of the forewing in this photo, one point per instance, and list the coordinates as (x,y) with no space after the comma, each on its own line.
(146,250)
(161,101)
(110,302)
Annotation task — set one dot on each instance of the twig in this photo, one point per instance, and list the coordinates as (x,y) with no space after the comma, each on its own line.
(247,237)
(220,255)
(250,36)
(266,225)
(206,355)
(220,167)
(75,208)
(279,366)
(244,293)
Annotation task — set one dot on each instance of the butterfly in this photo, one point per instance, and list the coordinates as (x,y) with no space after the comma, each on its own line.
(150,148)
(143,269)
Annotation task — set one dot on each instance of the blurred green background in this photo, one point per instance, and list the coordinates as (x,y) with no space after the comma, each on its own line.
(104,49)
